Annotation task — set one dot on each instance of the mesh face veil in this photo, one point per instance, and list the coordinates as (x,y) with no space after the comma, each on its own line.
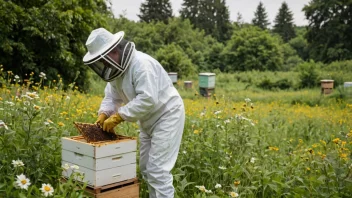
(109,66)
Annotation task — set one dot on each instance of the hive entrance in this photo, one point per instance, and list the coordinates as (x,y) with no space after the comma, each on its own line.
(93,133)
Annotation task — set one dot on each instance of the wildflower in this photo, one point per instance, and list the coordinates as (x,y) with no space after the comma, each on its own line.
(201,188)
(17,163)
(336,140)
(61,124)
(252,160)
(75,167)
(247,100)
(222,167)
(217,112)
(196,132)
(184,152)
(234,194)
(236,183)
(308,169)
(47,190)
(208,191)
(68,98)
(66,167)
(273,148)
(2,124)
(343,156)
(17,77)
(23,182)
(218,186)
(42,75)
(311,151)
(227,121)
(323,156)
(9,103)
(36,107)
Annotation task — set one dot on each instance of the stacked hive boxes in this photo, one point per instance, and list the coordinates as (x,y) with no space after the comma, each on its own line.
(102,163)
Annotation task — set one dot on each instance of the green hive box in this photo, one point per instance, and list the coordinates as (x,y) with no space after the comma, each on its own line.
(207,80)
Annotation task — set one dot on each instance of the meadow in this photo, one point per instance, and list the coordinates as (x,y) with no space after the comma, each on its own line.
(243,141)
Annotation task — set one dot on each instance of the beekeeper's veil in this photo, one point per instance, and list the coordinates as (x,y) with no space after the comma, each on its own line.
(107,65)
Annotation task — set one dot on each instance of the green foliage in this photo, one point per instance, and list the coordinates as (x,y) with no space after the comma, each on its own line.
(261,17)
(48,36)
(251,48)
(339,71)
(174,59)
(291,59)
(155,10)
(284,23)
(300,44)
(329,30)
(309,73)
(204,51)
(211,16)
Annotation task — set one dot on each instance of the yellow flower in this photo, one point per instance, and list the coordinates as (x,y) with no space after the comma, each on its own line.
(323,142)
(308,169)
(273,148)
(236,183)
(61,124)
(343,156)
(0,98)
(196,132)
(336,140)
(323,156)
(234,194)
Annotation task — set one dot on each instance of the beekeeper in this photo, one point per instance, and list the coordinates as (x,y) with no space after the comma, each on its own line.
(139,89)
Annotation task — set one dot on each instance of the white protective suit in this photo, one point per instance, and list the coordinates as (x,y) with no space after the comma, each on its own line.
(150,98)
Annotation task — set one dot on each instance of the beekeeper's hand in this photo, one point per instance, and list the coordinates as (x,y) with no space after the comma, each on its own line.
(100,121)
(112,122)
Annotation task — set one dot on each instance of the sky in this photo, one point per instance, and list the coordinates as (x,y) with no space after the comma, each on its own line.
(246,7)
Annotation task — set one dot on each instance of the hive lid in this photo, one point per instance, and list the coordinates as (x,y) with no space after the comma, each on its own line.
(206,74)
(327,81)
(93,133)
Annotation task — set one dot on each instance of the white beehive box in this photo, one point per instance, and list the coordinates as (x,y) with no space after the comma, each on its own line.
(173,77)
(102,163)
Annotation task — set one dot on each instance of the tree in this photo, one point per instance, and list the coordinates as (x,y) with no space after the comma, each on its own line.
(212,16)
(284,23)
(261,17)
(49,37)
(329,30)
(155,10)
(252,48)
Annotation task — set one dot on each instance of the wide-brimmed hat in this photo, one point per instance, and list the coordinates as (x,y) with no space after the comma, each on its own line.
(100,41)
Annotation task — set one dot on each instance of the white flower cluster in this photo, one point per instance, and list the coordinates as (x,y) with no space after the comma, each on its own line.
(203,189)
(17,163)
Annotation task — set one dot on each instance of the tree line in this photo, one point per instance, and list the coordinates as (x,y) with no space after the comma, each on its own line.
(49,36)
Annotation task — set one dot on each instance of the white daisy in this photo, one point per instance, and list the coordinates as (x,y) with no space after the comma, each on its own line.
(2,124)
(17,163)
(47,190)
(218,186)
(23,182)
(247,100)
(252,160)
(66,167)
(234,194)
